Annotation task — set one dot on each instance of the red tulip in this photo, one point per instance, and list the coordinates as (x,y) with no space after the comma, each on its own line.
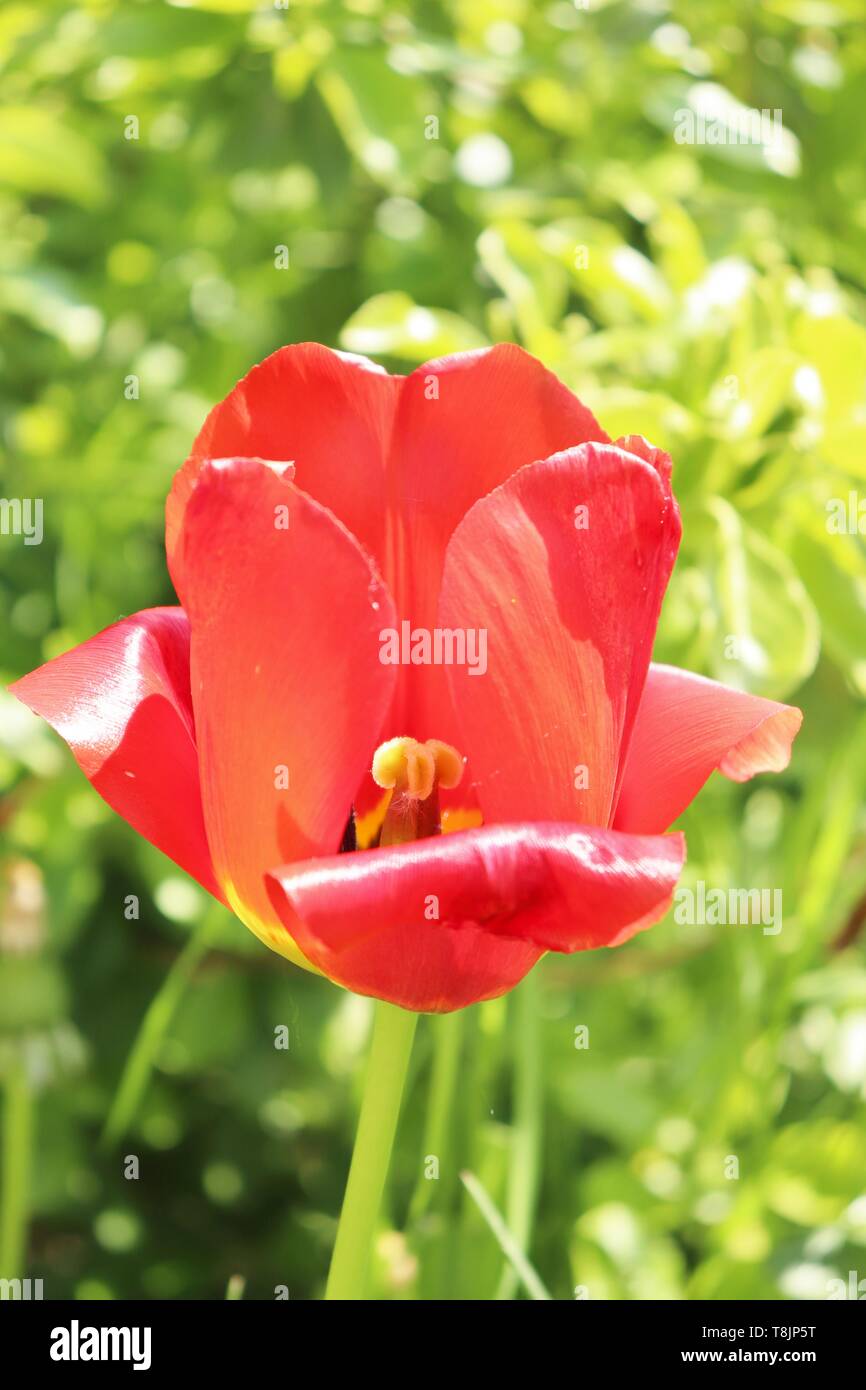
(237,732)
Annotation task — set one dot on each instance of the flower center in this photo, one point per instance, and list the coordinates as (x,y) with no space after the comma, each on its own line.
(414,772)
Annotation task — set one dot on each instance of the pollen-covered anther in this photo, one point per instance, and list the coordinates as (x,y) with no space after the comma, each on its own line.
(448,763)
(413,772)
(415,769)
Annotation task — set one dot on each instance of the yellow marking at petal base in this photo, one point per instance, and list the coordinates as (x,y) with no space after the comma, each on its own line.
(461,818)
(272,934)
(367,827)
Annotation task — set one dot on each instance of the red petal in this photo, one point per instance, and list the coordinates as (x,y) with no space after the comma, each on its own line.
(503,894)
(286,678)
(570,615)
(328,413)
(641,448)
(465,423)
(688,726)
(398,460)
(121,701)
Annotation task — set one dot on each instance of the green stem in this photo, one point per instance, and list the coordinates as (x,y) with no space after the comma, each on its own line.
(448,1032)
(393,1031)
(528,1116)
(15,1194)
(154,1026)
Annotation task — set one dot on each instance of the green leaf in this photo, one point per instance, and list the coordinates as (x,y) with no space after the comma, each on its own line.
(676,241)
(531,280)
(41,153)
(766,632)
(379,113)
(832,568)
(836,348)
(506,1241)
(391,325)
(761,388)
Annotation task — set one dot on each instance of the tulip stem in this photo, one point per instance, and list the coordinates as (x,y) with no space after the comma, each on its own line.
(393,1032)
(14,1198)
(448,1035)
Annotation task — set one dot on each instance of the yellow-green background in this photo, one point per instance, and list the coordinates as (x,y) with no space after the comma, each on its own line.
(717,306)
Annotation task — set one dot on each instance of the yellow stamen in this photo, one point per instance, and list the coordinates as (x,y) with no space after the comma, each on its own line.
(413,772)
(405,765)
(448,763)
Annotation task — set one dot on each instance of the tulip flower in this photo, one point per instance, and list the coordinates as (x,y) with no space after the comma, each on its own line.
(404,722)
(239,732)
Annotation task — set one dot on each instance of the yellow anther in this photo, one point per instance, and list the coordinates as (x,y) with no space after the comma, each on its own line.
(448,763)
(405,765)
(415,768)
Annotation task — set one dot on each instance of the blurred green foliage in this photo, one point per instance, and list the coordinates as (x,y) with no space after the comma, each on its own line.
(443,175)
